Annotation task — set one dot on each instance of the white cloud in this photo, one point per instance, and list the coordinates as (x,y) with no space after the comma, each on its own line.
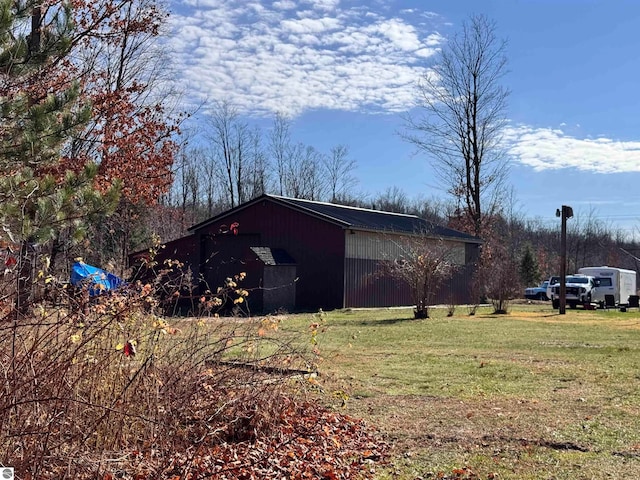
(295,55)
(552,149)
(311,25)
(322,4)
(284,5)
(434,40)
(402,35)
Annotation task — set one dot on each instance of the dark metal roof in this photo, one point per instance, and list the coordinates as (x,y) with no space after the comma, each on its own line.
(355,218)
(366,219)
(273,256)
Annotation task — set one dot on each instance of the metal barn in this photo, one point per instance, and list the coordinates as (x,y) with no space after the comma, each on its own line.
(304,255)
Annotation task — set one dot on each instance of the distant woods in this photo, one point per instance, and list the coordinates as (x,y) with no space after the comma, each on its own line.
(228,161)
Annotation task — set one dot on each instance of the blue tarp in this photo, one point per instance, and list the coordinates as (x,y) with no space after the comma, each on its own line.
(98,280)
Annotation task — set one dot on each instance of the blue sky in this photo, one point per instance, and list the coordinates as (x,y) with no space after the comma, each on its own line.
(345,71)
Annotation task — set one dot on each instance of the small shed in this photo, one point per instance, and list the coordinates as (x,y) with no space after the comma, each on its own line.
(278,272)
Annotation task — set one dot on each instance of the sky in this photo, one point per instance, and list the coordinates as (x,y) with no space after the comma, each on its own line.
(345,72)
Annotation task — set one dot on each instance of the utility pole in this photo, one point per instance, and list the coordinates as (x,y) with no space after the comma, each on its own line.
(566,212)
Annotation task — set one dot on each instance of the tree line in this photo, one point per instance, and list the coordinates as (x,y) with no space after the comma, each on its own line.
(95,161)
(225,161)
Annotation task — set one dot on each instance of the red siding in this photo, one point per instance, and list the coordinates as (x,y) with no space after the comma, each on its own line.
(316,245)
(325,278)
(185,249)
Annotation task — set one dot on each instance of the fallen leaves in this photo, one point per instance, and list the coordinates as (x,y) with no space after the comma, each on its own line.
(308,441)
(233,433)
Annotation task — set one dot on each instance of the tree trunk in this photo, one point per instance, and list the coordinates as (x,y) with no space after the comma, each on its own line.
(24,284)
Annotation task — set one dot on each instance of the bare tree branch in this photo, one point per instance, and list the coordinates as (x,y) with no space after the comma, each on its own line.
(461,118)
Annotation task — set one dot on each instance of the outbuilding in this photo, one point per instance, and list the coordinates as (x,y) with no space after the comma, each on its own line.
(302,255)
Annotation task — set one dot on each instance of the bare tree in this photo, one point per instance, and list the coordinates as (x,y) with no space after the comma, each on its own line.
(302,173)
(280,149)
(257,177)
(191,184)
(231,139)
(198,190)
(393,199)
(298,167)
(309,171)
(209,180)
(339,169)
(432,209)
(462,116)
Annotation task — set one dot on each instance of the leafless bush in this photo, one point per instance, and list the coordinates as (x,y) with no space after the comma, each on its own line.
(451,309)
(476,289)
(423,263)
(84,393)
(498,278)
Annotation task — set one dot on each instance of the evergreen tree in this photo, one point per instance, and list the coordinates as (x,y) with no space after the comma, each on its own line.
(529,269)
(43,191)
(78,126)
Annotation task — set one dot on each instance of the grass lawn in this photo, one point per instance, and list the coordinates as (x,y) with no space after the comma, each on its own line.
(529,395)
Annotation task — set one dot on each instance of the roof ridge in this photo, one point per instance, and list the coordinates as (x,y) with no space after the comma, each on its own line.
(348,207)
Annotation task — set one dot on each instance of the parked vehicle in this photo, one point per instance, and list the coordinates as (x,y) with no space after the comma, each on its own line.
(553,280)
(537,293)
(578,292)
(618,282)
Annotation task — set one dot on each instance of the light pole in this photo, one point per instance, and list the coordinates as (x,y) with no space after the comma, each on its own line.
(566,212)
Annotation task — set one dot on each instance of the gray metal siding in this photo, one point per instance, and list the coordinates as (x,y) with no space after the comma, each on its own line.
(367,286)
(385,246)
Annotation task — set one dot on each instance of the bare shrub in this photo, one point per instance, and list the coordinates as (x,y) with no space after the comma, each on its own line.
(499,277)
(451,309)
(119,387)
(422,264)
(476,290)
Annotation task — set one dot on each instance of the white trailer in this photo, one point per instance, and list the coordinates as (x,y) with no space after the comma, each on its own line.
(618,282)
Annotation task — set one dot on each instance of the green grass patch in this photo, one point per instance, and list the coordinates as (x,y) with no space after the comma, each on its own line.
(532,394)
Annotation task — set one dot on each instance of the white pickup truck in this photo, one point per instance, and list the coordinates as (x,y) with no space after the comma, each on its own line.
(580,289)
